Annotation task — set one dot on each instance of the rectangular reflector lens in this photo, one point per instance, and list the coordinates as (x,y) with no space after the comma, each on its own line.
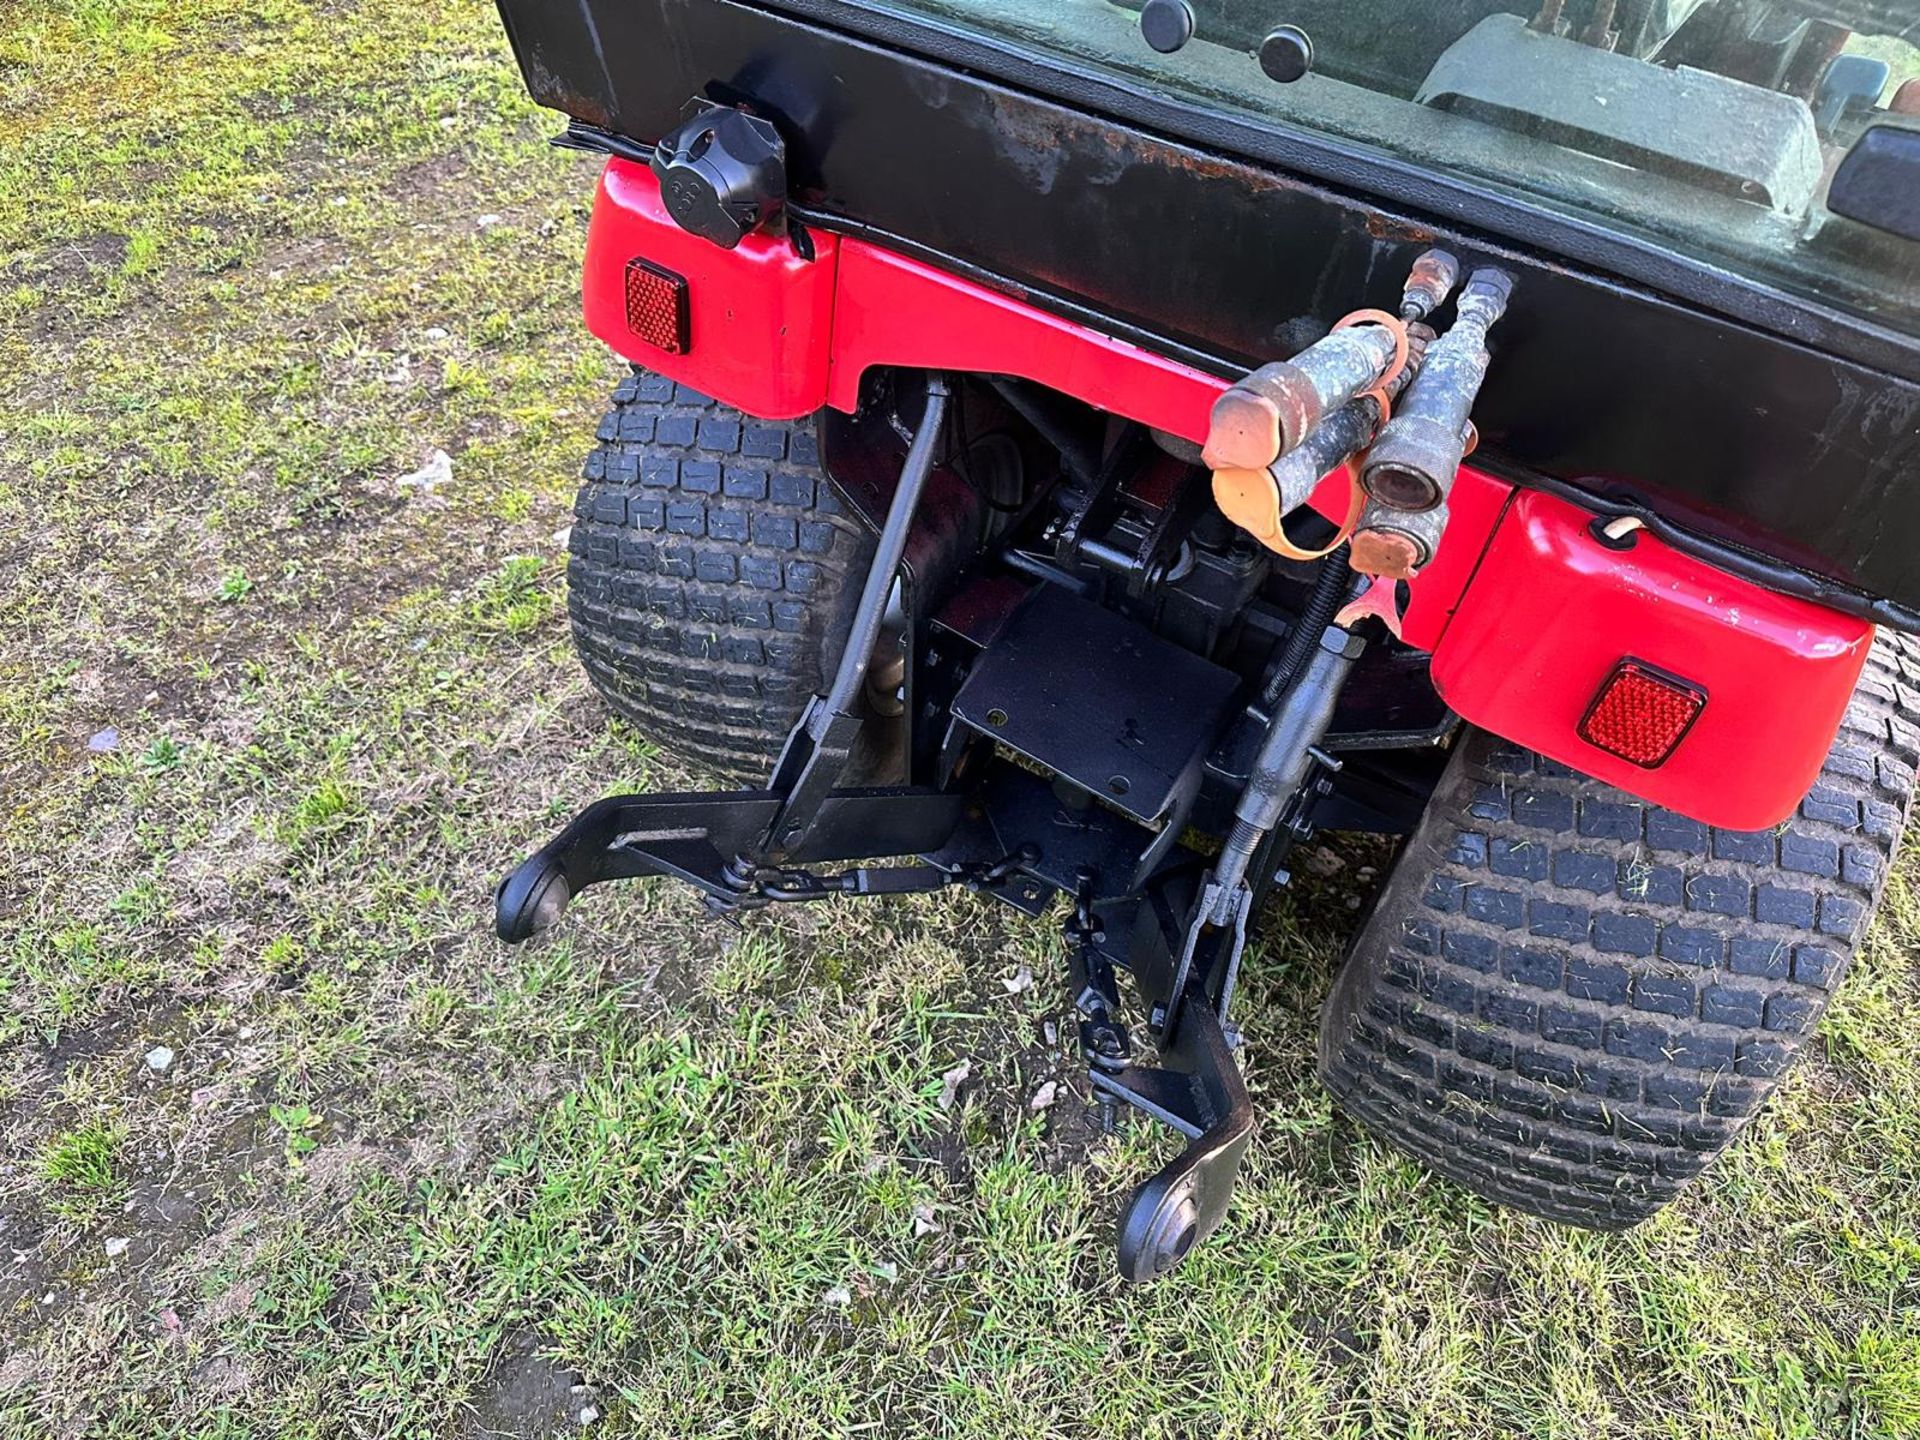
(1641,714)
(657,306)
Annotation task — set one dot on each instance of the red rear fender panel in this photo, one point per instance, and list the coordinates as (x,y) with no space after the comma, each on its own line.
(760,318)
(782,337)
(1524,612)
(1551,611)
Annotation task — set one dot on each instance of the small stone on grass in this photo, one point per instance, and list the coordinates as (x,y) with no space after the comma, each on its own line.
(160,1059)
(436,471)
(1322,862)
(951,1082)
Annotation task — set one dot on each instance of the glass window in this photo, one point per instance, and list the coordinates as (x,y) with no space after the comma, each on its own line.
(1712,126)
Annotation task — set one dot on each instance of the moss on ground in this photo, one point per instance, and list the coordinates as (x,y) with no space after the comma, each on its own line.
(271,723)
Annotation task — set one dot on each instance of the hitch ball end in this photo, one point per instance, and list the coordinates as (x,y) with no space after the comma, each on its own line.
(531,899)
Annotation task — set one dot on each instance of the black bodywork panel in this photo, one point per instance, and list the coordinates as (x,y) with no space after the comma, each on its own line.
(1780,428)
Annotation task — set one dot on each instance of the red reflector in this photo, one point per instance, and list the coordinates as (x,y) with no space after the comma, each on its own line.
(1641,713)
(657,306)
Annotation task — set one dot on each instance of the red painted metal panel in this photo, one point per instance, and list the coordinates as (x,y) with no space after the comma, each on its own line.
(1475,507)
(780,337)
(1523,630)
(895,311)
(1551,612)
(760,318)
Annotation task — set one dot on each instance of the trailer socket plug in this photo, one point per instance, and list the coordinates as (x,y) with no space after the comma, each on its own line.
(722,173)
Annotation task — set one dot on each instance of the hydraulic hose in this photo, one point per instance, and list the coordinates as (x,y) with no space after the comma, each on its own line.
(1285,758)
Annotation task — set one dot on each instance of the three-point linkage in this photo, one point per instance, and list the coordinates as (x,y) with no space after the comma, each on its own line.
(1029,785)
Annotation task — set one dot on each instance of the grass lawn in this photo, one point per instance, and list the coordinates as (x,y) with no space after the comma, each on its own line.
(289,1146)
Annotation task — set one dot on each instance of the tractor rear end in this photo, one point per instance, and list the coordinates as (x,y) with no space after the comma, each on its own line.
(1008,532)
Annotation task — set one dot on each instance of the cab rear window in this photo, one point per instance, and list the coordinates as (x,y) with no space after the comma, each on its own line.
(1721,128)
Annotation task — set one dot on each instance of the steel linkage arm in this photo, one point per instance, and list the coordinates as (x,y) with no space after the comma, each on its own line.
(1195,1088)
(1185,955)
(817,751)
(743,848)
(697,838)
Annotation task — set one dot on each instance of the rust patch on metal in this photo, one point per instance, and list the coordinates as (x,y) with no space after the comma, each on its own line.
(1381,226)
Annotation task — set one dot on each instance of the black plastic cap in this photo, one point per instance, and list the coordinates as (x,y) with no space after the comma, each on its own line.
(1166,25)
(1878,184)
(1286,54)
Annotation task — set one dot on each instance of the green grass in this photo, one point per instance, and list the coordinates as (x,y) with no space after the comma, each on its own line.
(399,1180)
(80,1167)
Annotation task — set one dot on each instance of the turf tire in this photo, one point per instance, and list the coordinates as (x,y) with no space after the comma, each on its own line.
(1570,1001)
(713,573)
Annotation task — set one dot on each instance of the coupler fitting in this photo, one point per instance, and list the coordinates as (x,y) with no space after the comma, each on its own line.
(1273,410)
(1396,544)
(1413,463)
(1259,500)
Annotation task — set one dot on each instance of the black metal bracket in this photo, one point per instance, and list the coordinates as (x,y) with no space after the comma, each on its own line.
(816,753)
(741,849)
(1180,928)
(1188,938)
(697,838)
(1195,1086)
(1197,1090)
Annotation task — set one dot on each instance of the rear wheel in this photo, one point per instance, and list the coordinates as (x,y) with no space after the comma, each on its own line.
(1570,1001)
(713,573)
